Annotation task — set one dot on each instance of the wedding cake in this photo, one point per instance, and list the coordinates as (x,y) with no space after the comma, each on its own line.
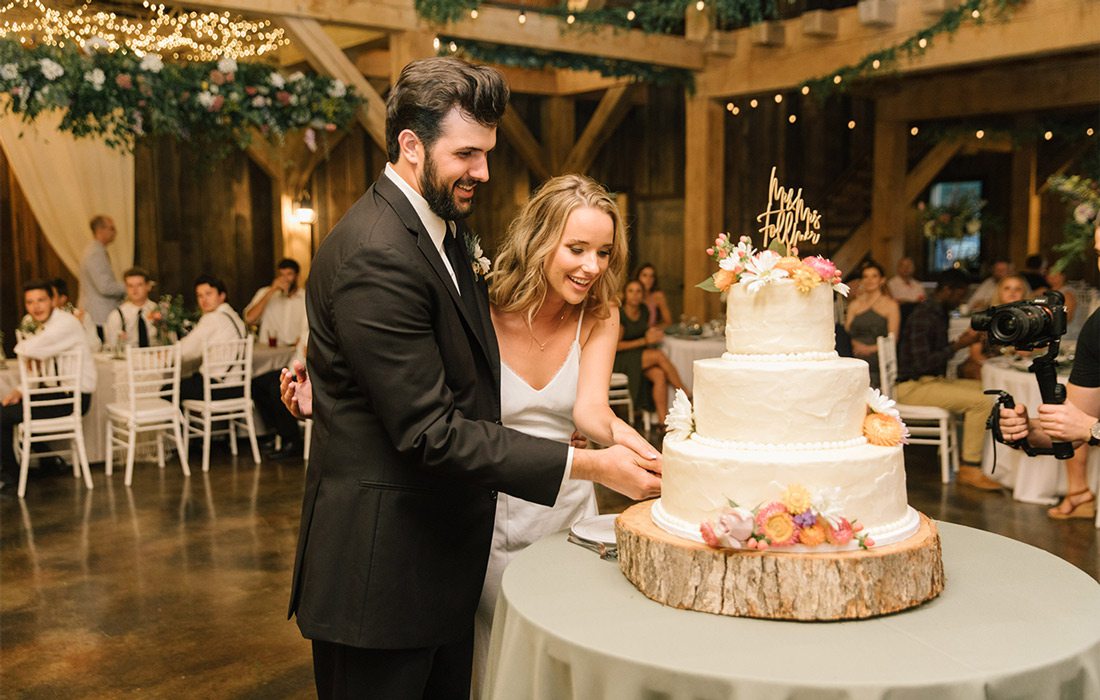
(783,486)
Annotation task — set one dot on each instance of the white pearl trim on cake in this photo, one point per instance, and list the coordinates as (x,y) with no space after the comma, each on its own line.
(794,446)
(884,535)
(781,357)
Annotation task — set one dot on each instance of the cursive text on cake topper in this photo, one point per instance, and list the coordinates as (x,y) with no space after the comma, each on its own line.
(793,220)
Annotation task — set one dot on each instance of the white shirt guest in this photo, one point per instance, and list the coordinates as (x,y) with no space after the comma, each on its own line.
(100,290)
(122,324)
(219,323)
(60,333)
(279,308)
(903,286)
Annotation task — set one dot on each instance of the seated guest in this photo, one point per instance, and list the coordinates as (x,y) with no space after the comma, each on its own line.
(905,288)
(655,300)
(983,295)
(1035,272)
(134,321)
(218,323)
(923,352)
(871,314)
(1056,282)
(55,332)
(280,307)
(62,302)
(637,356)
(1011,288)
(266,396)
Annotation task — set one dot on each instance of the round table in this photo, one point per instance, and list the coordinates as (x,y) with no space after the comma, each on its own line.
(683,351)
(1013,621)
(1032,479)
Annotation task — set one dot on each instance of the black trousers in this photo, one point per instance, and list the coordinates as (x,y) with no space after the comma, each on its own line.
(342,671)
(191,388)
(265,394)
(13,414)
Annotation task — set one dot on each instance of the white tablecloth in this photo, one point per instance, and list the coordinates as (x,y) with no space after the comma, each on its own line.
(1032,479)
(684,351)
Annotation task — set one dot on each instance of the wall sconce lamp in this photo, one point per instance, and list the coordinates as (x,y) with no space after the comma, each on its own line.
(303,209)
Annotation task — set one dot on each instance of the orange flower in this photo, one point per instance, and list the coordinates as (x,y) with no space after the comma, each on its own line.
(788,263)
(777,525)
(723,279)
(884,430)
(805,278)
(813,535)
(796,498)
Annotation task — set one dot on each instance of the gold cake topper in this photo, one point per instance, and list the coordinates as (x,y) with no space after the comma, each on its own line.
(794,221)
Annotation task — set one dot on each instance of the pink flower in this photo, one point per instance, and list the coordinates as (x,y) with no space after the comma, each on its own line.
(217,77)
(868,542)
(330,127)
(216,105)
(733,530)
(841,534)
(124,81)
(250,90)
(283,97)
(707,531)
(710,251)
(821,266)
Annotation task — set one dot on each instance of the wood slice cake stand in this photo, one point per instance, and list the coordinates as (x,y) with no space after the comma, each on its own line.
(844,585)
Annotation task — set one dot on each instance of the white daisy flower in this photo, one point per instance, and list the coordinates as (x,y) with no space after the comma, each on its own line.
(679,422)
(880,403)
(760,270)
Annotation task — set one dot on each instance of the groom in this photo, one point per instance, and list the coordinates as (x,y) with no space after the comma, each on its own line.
(408,450)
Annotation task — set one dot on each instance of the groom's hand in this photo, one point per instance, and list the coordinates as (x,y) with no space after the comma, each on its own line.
(296,391)
(620,469)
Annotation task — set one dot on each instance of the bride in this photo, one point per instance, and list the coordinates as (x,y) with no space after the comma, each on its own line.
(552,291)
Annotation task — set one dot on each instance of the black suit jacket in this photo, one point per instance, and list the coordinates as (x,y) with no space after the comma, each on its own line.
(408,450)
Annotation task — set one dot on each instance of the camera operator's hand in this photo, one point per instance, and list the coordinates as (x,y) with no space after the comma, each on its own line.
(967,338)
(1064,422)
(1014,423)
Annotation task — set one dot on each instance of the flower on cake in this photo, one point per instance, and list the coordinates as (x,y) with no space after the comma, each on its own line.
(883,425)
(740,263)
(680,423)
(761,270)
(796,518)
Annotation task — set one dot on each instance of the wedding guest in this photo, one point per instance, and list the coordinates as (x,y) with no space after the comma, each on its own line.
(655,300)
(61,302)
(871,314)
(279,307)
(54,332)
(1035,273)
(638,357)
(134,321)
(266,394)
(100,290)
(983,295)
(1011,288)
(923,352)
(903,287)
(1056,282)
(218,323)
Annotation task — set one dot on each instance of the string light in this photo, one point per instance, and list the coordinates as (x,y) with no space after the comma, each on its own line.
(851,123)
(1089,131)
(805,89)
(737,110)
(792,119)
(630,16)
(923,43)
(753,103)
(730,106)
(976,14)
(192,36)
(473,14)
(778,98)
(1048,135)
(914,131)
(453,47)
(522,19)
(700,5)
(875,64)
(570,19)
(436,43)
(837,79)
(979,134)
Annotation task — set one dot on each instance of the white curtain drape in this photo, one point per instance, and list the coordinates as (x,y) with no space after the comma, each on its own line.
(67,181)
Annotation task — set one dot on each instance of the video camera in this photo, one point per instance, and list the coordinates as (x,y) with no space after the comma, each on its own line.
(1026,325)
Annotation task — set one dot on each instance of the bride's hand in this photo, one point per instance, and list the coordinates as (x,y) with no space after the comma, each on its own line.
(629,438)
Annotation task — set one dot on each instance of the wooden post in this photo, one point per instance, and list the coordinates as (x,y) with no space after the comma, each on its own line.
(1024,210)
(559,129)
(704,190)
(888,202)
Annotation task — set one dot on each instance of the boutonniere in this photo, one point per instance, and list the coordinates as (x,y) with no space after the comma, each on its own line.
(29,327)
(478,262)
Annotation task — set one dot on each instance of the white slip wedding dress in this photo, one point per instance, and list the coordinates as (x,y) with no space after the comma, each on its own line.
(545,413)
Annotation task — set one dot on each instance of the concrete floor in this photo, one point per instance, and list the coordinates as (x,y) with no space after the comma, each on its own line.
(178,587)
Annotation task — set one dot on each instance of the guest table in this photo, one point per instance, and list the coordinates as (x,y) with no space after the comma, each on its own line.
(1032,479)
(684,350)
(1013,621)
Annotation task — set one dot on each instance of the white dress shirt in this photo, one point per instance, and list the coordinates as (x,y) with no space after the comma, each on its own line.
(100,290)
(90,333)
(219,325)
(282,317)
(902,291)
(60,333)
(124,320)
(435,226)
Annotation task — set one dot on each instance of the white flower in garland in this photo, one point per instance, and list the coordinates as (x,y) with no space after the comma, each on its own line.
(151,63)
(296,76)
(95,43)
(227,65)
(9,71)
(51,69)
(206,99)
(879,403)
(277,80)
(337,89)
(96,77)
(260,101)
(761,270)
(478,262)
(680,422)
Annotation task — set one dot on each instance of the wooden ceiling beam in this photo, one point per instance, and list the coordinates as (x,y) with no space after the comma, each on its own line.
(344,37)
(1036,28)
(609,114)
(529,149)
(325,56)
(493,24)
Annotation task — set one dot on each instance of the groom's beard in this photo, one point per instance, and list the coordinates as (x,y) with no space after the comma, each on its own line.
(439,196)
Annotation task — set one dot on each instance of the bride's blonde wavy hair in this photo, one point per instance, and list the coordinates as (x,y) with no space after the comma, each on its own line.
(518,279)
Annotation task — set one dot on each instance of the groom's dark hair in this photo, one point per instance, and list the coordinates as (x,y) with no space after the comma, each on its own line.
(429,88)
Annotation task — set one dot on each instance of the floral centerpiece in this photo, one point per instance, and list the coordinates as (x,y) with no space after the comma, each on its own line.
(959,217)
(174,318)
(740,263)
(1083,195)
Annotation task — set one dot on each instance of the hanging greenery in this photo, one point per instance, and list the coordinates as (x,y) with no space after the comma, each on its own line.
(959,217)
(520,57)
(886,60)
(120,96)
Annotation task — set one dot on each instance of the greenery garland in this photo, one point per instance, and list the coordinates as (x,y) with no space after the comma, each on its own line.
(887,59)
(121,96)
(1082,196)
(520,57)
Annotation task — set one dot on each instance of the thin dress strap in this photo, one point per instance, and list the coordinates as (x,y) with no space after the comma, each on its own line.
(579,322)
